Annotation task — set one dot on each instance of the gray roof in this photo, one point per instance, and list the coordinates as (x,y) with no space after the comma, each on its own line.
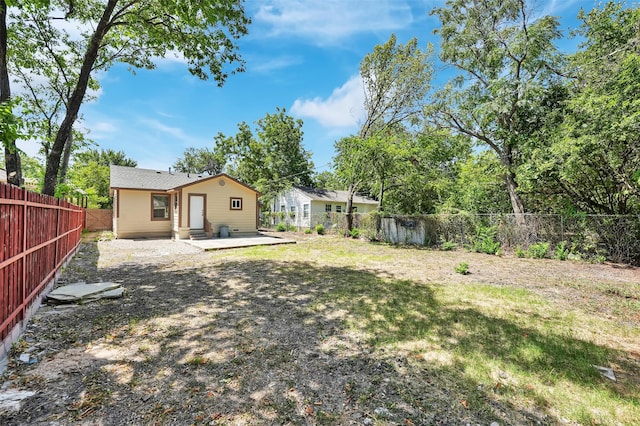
(135,178)
(333,195)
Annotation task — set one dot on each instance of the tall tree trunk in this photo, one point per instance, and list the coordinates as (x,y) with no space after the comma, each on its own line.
(11,154)
(512,186)
(65,159)
(381,195)
(349,215)
(512,183)
(53,160)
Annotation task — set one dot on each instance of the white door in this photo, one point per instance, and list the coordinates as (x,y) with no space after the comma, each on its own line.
(196,211)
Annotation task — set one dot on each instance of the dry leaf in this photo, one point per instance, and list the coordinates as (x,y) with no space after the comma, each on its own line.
(464,403)
(309,410)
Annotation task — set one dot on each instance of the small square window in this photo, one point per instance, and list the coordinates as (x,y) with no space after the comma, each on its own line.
(338,209)
(283,208)
(236,203)
(327,208)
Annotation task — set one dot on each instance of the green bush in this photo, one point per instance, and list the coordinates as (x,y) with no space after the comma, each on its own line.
(520,253)
(561,251)
(320,229)
(485,240)
(462,268)
(308,231)
(293,228)
(448,245)
(538,250)
(354,233)
(281,227)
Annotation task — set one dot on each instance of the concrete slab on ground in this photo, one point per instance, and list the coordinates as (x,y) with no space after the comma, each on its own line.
(237,242)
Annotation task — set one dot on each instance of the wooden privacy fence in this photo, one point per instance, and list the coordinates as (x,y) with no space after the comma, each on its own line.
(99,220)
(39,234)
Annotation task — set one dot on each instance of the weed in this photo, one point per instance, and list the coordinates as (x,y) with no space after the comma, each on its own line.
(354,233)
(484,240)
(308,231)
(320,229)
(462,268)
(447,245)
(561,252)
(281,227)
(538,250)
(520,253)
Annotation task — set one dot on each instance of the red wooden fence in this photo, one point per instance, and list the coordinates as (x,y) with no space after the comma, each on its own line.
(39,234)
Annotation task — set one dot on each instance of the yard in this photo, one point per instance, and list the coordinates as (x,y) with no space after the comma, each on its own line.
(334,331)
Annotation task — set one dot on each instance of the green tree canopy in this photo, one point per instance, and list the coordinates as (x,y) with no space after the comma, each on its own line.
(136,32)
(90,173)
(504,59)
(272,159)
(200,160)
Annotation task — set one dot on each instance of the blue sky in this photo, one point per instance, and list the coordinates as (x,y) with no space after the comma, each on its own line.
(302,55)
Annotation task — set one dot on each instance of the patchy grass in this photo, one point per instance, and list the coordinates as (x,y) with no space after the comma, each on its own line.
(508,341)
(336,331)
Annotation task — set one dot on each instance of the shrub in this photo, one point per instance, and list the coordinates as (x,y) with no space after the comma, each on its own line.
(320,229)
(538,250)
(520,253)
(561,251)
(354,233)
(308,231)
(447,245)
(484,241)
(281,227)
(293,228)
(462,268)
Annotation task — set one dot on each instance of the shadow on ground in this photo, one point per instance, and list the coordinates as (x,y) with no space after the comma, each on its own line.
(199,340)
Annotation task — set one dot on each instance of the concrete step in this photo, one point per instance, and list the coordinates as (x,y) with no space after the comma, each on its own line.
(198,235)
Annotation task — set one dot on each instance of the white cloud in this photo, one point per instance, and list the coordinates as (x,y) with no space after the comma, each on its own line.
(329,21)
(344,108)
(272,64)
(175,132)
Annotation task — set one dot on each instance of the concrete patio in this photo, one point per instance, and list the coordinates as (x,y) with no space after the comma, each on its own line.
(237,242)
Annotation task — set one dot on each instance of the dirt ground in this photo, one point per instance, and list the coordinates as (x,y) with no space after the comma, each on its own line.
(209,338)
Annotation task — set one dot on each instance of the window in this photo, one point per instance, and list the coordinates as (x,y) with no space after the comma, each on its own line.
(293,212)
(338,209)
(159,207)
(305,211)
(327,208)
(283,208)
(236,203)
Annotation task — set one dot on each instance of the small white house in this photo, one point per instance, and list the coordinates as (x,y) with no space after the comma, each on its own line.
(306,207)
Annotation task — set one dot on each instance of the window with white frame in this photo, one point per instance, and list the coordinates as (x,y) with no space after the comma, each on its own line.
(327,208)
(293,212)
(305,211)
(338,209)
(235,203)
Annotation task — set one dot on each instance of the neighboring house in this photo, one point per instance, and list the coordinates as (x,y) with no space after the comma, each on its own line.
(3,176)
(305,207)
(153,203)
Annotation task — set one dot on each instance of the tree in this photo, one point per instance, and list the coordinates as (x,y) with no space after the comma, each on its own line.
(46,66)
(272,159)
(327,180)
(90,173)
(8,123)
(136,31)
(504,59)
(396,80)
(595,156)
(200,160)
